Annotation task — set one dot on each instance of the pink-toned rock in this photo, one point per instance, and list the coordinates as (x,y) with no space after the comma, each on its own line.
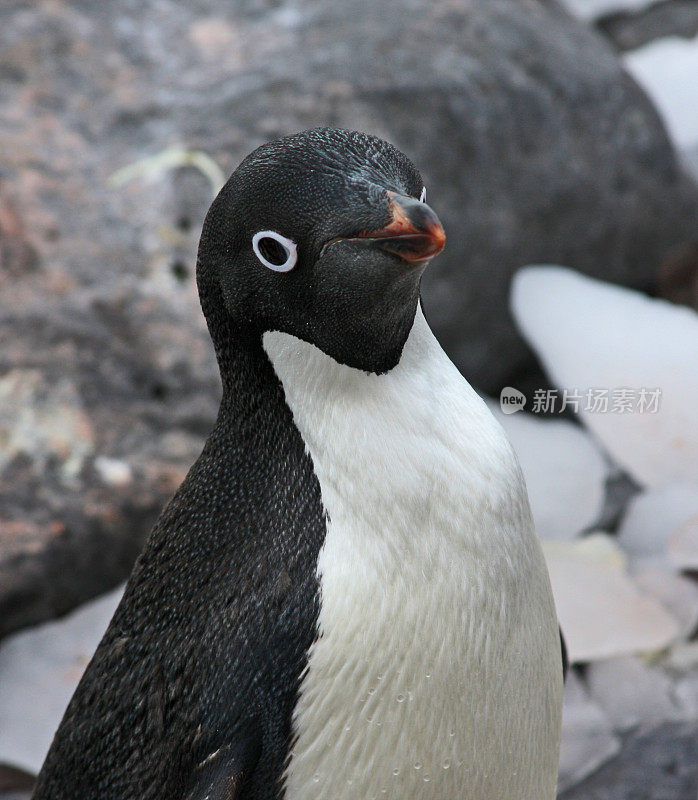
(43,421)
(634,354)
(217,40)
(602,612)
(682,549)
(676,592)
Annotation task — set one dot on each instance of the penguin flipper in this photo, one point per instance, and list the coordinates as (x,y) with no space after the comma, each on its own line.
(223,773)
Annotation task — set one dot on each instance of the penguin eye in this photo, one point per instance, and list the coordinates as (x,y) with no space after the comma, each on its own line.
(275,251)
(423,195)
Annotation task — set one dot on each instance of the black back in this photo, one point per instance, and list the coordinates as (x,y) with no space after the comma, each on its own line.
(207,646)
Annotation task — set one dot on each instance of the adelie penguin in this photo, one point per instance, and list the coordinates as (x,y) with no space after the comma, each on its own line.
(346,599)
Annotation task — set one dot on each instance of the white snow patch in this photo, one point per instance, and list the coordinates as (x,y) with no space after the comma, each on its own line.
(686,693)
(39,670)
(564,470)
(594,335)
(667,69)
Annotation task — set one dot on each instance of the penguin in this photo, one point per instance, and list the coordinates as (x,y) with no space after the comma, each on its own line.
(346,598)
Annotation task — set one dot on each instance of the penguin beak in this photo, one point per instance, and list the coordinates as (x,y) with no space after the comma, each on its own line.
(415,233)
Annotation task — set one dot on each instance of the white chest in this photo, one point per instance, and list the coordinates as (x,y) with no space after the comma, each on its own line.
(437,672)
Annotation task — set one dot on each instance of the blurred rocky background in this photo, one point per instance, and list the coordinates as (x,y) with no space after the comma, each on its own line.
(546,133)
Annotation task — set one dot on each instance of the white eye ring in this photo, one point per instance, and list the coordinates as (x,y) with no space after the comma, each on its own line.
(288,244)
(423,195)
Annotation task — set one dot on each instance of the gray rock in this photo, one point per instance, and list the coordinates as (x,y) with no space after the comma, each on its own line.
(686,694)
(631,29)
(588,740)
(15,784)
(690,161)
(678,275)
(652,518)
(619,491)
(69,528)
(683,658)
(534,145)
(659,764)
(631,693)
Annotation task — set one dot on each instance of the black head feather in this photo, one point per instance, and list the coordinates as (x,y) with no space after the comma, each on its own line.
(322,189)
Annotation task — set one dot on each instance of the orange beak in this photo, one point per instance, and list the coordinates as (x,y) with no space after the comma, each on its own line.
(415,233)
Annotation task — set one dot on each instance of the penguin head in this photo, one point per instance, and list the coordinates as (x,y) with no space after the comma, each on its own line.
(324,235)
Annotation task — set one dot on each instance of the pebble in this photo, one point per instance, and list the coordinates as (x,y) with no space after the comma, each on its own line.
(113,471)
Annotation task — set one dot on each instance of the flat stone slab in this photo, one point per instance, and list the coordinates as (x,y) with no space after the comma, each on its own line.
(39,671)
(626,357)
(603,613)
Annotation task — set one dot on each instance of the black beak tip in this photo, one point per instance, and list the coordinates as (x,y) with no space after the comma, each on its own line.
(415,233)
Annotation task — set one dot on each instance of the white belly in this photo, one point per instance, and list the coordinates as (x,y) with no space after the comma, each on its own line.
(437,672)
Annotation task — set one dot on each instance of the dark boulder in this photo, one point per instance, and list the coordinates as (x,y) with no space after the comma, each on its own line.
(655,764)
(534,145)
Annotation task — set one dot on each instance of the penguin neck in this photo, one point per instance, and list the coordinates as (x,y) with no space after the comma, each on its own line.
(249,383)
(387,442)
(253,454)
(250,386)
